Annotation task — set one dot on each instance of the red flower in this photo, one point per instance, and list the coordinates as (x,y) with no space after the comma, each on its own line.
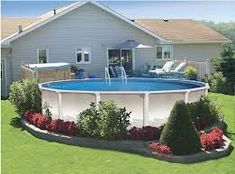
(213,139)
(146,133)
(159,148)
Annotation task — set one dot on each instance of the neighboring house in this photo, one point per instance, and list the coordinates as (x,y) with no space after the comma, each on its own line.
(88,34)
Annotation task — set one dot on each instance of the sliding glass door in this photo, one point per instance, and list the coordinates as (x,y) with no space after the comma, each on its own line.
(122,57)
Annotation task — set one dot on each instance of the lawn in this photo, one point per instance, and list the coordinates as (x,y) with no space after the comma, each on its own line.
(23,153)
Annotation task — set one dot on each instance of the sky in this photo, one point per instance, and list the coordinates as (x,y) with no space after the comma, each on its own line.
(217,11)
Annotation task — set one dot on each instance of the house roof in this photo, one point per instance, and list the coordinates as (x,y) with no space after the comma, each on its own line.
(182,30)
(10,25)
(174,30)
(48,17)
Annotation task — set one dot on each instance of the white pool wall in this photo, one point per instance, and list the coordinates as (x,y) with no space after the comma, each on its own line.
(148,108)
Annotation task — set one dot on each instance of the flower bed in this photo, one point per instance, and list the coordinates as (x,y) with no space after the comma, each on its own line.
(57,126)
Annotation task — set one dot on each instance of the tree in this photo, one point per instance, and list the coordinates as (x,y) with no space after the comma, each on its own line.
(179,133)
(227,67)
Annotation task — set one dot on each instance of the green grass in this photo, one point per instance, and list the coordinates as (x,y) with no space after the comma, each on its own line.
(23,153)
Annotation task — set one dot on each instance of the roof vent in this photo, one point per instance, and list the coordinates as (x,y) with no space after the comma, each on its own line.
(165,20)
(54,11)
(20,29)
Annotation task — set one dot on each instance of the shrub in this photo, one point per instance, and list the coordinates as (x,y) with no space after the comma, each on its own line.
(216,82)
(25,95)
(146,133)
(179,132)
(161,149)
(204,112)
(108,121)
(190,73)
(88,121)
(212,140)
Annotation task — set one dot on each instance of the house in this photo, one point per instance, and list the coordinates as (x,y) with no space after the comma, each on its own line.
(89,34)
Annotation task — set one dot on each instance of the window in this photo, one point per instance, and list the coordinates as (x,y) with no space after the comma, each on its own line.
(83,55)
(42,55)
(164,52)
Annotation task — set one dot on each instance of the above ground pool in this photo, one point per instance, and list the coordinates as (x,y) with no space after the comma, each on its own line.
(149,100)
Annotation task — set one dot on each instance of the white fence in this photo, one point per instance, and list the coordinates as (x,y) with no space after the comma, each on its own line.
(203,67)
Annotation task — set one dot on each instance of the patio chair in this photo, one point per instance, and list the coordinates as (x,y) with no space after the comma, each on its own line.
(117,70)
(166,68)
(112,72)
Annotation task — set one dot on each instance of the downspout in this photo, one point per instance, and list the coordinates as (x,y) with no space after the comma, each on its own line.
(11,68)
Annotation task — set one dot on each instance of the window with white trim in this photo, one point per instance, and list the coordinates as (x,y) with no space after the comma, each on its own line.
(164,52)
(83,55)
(42,55)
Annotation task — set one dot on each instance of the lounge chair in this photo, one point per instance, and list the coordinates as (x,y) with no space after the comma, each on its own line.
(179,68)
(178,71)
(166,68)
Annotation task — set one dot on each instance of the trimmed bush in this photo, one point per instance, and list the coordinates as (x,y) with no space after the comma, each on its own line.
(25,95)
(204,112)
(108,121)
(179,132)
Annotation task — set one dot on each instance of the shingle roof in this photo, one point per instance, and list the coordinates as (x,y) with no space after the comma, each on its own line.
(10,25)
(181,30)
(175,30)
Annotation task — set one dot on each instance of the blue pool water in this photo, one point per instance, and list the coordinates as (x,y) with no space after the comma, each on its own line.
(117,85)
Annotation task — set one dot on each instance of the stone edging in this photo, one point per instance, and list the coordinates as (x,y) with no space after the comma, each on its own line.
(138,147)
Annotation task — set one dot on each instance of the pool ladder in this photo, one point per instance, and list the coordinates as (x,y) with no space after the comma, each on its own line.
(107,76)
(123,75)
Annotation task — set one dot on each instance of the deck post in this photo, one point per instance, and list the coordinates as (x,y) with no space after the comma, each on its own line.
(60,111)
(146,109)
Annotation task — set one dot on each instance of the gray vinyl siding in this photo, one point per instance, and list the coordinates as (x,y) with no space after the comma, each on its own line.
(5,86)
(196,52)
(88,26)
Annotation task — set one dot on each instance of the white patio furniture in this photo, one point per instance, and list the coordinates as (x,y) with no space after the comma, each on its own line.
(166,68)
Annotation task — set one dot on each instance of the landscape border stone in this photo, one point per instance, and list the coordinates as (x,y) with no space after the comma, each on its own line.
(137,147)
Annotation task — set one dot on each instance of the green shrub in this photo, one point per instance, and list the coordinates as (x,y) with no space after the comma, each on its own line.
(25,95)
(179,132)
(190,73)
(88,121)
(108,121)
(216,82)
(204,109)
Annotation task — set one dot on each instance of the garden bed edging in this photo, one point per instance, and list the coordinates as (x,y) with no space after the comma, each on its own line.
(138,147)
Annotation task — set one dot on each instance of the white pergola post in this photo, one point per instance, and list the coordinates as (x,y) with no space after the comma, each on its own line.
(146,109)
